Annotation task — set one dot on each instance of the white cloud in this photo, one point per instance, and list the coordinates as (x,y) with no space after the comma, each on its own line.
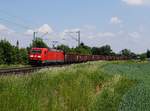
(89,27)
(3,28)
(136,2)
(68,32)
(118,40)
(29,32)
(120,32)
(115,20)
(106,34)
(71,30)
(62,35)
(45,29)
(87,32)
(134,35)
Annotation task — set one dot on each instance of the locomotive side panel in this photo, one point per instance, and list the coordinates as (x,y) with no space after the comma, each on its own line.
(55,57)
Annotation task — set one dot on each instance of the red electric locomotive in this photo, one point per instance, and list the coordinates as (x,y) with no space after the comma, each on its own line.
(39,56)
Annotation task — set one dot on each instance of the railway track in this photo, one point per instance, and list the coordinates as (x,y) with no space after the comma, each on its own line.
(24,70)
(21,70)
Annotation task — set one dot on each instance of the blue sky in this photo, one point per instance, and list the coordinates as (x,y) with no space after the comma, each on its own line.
(120,23)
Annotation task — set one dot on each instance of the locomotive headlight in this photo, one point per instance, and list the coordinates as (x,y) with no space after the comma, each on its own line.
(31,55)
(38,56)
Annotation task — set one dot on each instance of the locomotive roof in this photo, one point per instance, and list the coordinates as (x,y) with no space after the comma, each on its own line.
(50,49)
(55,50)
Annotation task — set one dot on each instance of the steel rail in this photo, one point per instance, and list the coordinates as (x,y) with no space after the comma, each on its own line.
(25,70)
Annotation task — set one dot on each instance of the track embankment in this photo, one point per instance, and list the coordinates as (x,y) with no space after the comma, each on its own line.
(24,70)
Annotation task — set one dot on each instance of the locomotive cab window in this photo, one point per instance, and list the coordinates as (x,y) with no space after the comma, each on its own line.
(45,52)
(36,51)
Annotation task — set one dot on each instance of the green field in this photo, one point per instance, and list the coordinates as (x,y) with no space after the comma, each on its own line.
(92,86)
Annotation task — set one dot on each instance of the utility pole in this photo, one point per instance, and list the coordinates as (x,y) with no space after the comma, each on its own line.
(34,38)
(78,32)
(34,35)
(17,44)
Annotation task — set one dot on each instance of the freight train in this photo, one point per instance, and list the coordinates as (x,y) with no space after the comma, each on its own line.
(44,56)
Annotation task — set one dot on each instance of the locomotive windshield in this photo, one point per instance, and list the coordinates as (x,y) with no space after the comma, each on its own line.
(36,51)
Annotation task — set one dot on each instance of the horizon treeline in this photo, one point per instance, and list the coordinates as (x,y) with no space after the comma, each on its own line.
(11,54)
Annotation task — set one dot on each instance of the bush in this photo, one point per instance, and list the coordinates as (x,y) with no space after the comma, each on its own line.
(143,57)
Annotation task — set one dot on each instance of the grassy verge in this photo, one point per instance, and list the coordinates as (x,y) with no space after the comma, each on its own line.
(82,87)
(12,66)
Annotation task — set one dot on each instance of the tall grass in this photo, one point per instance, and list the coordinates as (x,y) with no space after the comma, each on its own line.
(82,87)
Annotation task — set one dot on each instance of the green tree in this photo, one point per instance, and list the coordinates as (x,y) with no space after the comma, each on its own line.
(95,51)
(7,52)
(104,50)
(128,53)
(10,54)
(148,53)
(1,56)
(15,54)
(65,48)
(83,49)
(125,52)
(38,42)
(23,56)
(143,56)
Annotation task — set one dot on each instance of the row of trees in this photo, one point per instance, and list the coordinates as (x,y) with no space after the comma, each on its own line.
(104,50)
(10,54)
